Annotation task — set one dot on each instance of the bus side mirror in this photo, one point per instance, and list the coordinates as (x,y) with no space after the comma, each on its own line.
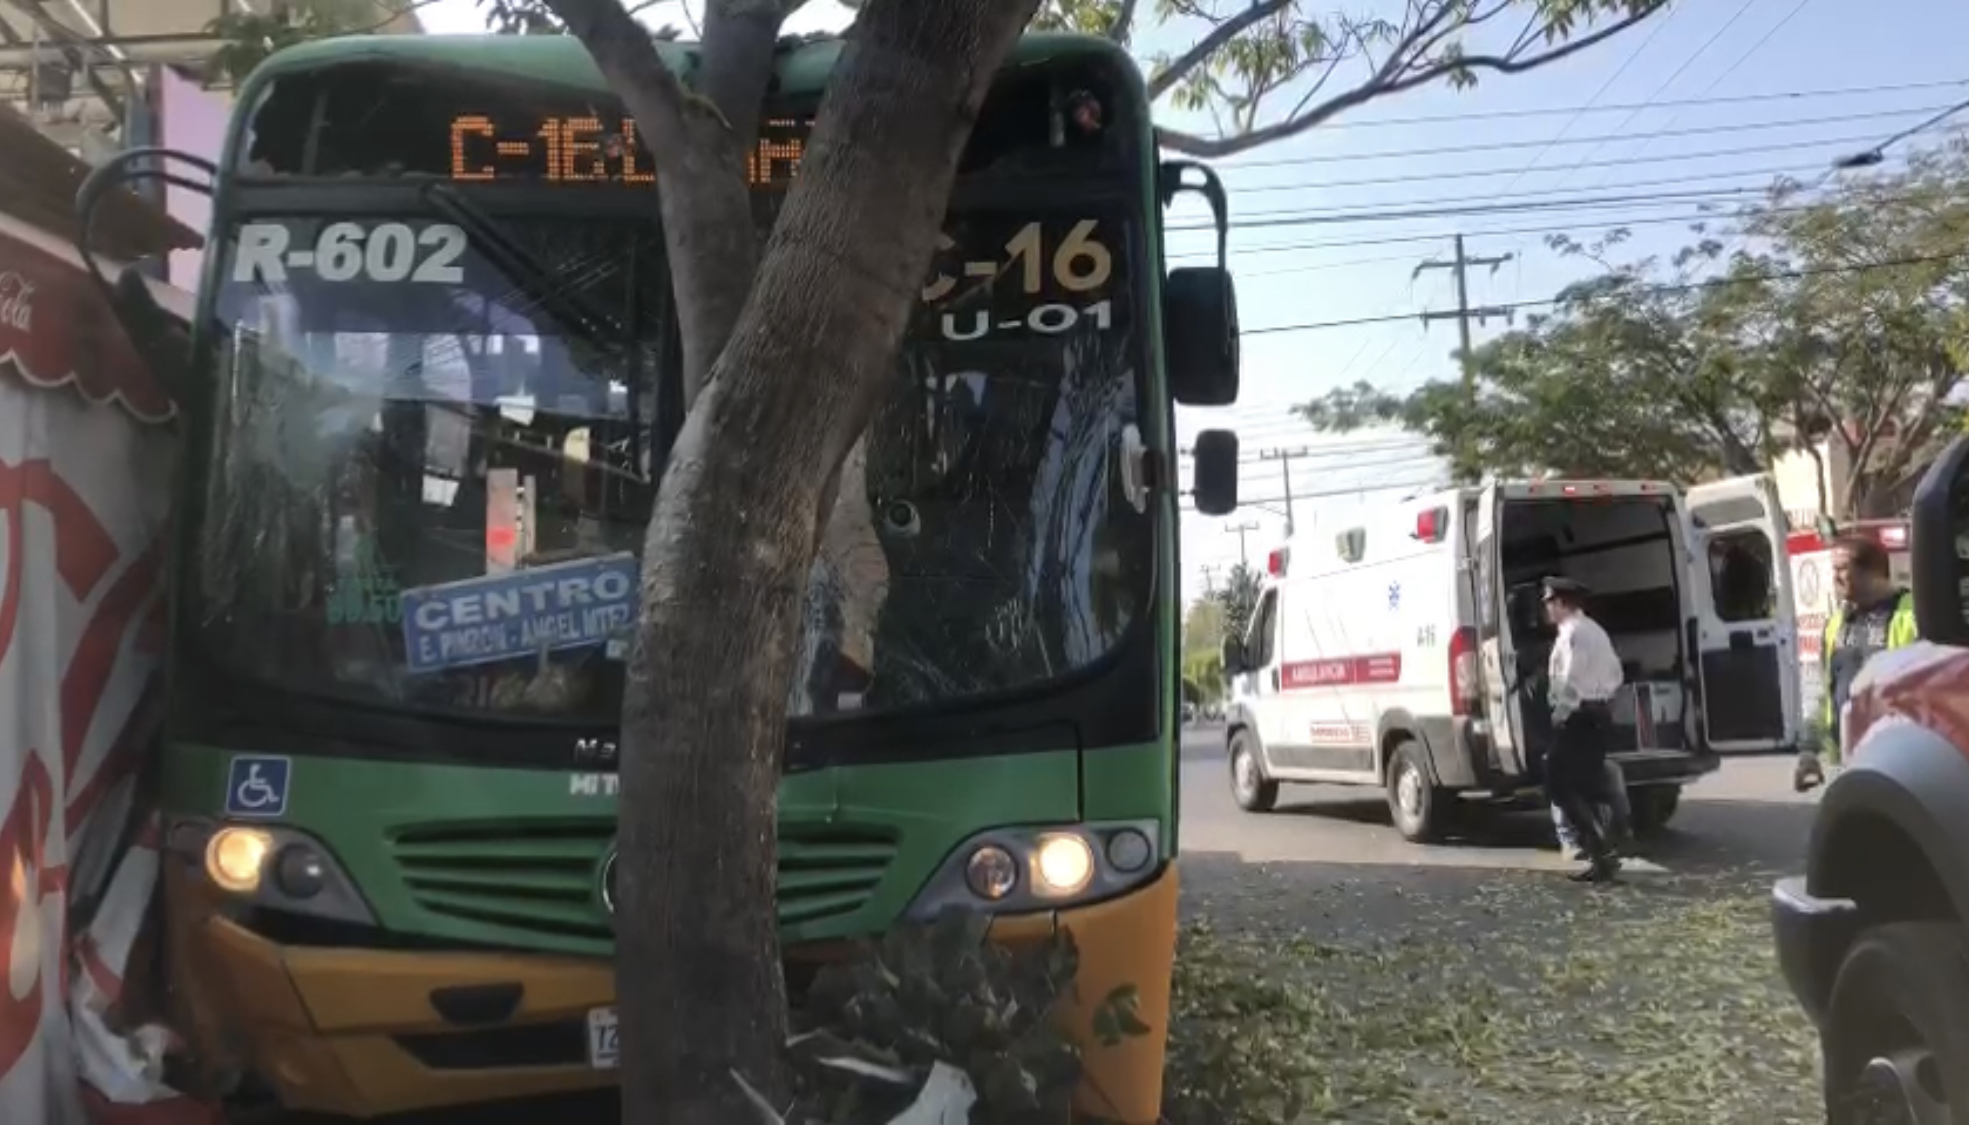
(1213,477)
(1234,662)
(1199,323)
(1939,553)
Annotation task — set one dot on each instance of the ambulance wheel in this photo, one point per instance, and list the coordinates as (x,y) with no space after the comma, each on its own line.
(1253,791)
(1414,802)
(1654,806)
(1896,1037)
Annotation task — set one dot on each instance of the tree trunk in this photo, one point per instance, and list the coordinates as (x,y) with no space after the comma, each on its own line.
(731,542)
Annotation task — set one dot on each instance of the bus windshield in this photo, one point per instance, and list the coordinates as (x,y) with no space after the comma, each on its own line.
(428,479)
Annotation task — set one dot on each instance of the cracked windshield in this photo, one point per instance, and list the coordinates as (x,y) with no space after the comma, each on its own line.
(1411,564)
(434,468)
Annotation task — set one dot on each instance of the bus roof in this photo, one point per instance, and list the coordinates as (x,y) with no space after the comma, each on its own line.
(561,59)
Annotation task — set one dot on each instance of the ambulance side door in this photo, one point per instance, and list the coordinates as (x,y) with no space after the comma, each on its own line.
(1744,614)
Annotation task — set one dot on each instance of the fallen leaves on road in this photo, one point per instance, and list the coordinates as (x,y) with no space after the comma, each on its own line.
(1516,999)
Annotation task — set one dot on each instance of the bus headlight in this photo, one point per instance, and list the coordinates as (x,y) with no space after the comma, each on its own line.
(1007,870)
(991,873)
(300,871)
(270,866)
(1063,864)
(236,858)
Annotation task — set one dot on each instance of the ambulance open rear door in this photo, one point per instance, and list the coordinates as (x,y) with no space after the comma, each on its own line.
(1744,633)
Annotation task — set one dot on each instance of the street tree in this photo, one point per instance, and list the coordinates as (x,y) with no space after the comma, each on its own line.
(1203,626)
(1807,318)
(1268,70)
(1238,596)
(787,340)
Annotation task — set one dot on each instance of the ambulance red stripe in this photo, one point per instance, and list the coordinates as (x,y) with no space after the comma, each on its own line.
(1341,671)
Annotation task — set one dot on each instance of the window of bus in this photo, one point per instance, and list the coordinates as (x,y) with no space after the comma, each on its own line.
(426,486)
(987,540)
(432,494)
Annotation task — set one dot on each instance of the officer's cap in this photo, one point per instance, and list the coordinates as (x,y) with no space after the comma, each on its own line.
(1565,589)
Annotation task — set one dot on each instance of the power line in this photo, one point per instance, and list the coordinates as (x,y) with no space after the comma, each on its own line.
(1539,195)
(1433,480)
(1878,151)
(1686,64)
(1366,215)
(1589,107)
(1690,287)
(1728,70)
(1617,162)
(1604,87)
(1713,197)
(1499,146)
(1500,232)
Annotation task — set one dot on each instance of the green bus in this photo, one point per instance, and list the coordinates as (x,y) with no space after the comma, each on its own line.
(430,383)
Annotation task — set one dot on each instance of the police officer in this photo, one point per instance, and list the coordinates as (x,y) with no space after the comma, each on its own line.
(1873,615)
(1585,673)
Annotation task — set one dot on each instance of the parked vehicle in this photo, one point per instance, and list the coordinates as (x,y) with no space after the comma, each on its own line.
(1409,652)
(1873,937)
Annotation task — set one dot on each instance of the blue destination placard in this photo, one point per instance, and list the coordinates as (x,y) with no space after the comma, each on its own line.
(500,617)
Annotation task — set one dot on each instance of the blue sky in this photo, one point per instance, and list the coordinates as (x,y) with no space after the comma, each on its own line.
(1304,251)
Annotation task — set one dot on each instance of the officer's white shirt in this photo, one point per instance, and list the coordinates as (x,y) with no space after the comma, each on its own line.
(1584,666)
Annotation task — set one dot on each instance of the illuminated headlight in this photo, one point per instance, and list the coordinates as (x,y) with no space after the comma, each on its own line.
(236,858)
(1063,864)
(272,866)
(1013,869)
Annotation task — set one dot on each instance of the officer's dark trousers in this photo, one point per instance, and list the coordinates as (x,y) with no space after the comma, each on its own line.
(1575,773)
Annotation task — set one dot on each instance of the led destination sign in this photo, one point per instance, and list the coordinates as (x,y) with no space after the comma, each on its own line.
(593,149)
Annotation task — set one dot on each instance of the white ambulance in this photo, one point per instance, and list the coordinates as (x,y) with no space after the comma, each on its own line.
(1810,552)
(1409,652)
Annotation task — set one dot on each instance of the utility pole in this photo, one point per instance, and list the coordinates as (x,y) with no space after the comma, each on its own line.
(1464,313)
(1284,457)
(1242,529)
(1210,579)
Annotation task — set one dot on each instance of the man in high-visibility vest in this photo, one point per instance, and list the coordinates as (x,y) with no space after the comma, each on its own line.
(1873,615)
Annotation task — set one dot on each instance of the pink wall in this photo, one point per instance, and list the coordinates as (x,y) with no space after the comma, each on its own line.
(190,120)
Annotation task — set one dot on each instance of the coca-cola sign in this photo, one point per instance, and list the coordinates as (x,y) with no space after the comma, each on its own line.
(57,330)
(16,301)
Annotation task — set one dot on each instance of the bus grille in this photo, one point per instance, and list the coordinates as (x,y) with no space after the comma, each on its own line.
(542,878)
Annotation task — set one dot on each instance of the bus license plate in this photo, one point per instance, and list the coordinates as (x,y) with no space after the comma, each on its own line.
(604,1041)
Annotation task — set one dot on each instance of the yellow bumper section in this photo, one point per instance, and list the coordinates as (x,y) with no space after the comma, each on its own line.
(356,1032)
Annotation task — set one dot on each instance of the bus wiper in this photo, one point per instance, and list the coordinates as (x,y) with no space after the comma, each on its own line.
(570,308)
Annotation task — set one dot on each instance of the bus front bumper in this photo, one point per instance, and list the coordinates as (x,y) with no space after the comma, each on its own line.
(366,1032)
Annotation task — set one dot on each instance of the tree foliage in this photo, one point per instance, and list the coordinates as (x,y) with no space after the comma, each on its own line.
(1239,596)
(251,36)
(1266,70)
(1837,316)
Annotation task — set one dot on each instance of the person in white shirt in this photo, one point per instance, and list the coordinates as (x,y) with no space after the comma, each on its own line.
(1584,674)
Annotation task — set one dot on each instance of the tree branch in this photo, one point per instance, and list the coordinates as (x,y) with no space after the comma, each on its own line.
(698,142)
(627,57)
(1381,84)
(1179,68)
(1124,21)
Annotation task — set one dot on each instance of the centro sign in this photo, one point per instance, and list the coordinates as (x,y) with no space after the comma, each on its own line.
(582,604)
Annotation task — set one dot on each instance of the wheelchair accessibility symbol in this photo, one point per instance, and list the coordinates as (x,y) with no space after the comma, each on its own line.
(257,787)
